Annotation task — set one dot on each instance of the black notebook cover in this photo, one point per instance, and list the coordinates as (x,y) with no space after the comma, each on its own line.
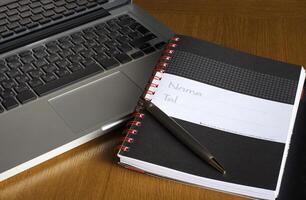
(248,161)
(294,179)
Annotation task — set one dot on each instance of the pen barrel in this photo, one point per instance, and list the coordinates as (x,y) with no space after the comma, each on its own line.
(179,132)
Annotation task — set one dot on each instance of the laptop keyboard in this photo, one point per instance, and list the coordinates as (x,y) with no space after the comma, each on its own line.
(32,73)
(26,16)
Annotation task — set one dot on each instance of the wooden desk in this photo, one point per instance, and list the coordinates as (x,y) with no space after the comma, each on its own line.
(274,28)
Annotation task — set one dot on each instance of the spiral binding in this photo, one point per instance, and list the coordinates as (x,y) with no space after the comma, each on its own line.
(151,87)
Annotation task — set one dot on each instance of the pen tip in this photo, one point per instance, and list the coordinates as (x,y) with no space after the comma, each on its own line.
(217,166)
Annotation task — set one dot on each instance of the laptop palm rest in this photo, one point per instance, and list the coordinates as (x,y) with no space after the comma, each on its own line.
(94,104)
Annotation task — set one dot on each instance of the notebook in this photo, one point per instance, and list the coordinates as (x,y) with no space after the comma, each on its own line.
(241,107)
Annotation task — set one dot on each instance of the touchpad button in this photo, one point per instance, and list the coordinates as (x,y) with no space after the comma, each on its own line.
(106,99)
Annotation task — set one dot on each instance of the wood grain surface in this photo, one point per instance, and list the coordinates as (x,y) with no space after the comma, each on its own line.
(269,28)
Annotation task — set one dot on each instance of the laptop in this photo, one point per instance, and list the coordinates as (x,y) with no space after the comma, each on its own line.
(70,71)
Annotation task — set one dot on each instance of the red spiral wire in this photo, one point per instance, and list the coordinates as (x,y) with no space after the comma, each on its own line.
(138,115)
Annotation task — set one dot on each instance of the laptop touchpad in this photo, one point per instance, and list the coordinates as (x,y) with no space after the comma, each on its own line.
(92,105)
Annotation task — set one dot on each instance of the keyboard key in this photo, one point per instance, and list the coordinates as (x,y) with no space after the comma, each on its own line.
(38,49)
(48,14)
(35,5)
(22,78)
(78,48)
(51,44)
(59,83)
(125,48)
(80,9)
(3,22)
(49,77)
(13,73)
(62,72)
(12,12)
(137,54)
(68,13)
(24,2)
(108,63)
(112,51)
(8,84)
(44,21)
(27,59)
(149,50)
(66,45)
(36,18)
(36,73)
(123,39)
(27,67)
(53,49)
(32,25)
(23,8)
(49,6)
(82,2)
(39,63)
(52,58)
(2,77)
(26,96)
(75,58)
(14,18)
(62,63)
(12,6)
(3,29)
(7,34)
(12,26)
(123,58)
(88,62)
(12,58)
(135,25)
(25,53)
(3,69)
(102,1)
(160,45)
(143,30)
(71,6)
(25,14)
(41,54)
(144,46)
(21,87)
(37,10)
(3,9)
(7,93)
(35,83)
(140,41)
(14,64)
(9,103)
(46,2)
(64,39)
(126,22)
(75,67)
(56,17)
(49,68)
(91,5)
(88,53)
(59,10)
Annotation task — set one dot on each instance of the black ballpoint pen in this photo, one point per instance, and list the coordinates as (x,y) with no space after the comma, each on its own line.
(183,135)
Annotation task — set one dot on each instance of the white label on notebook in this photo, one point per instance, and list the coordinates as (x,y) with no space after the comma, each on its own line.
(222,109)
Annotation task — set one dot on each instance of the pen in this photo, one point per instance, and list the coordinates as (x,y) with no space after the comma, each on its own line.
(183,135)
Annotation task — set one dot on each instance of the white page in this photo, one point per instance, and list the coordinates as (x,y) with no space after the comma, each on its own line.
(222,109)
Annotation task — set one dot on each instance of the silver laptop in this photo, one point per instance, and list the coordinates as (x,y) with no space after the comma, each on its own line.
(70,71)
